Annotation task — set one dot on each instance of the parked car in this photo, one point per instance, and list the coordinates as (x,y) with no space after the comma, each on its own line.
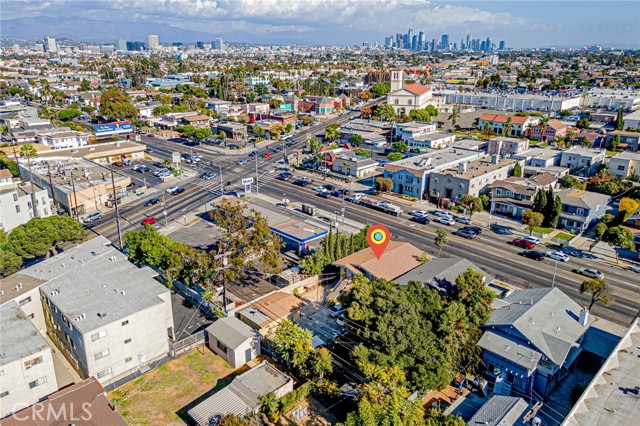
(443,214)
(589,272)
(338,193)
(284,176)
(148,221)
(446,220)
(172,189)
(336,310)
(151,202)
(418,213)
(466,233)
(266,155)
(302,182)
(464,220)
(142,169)
(534,240)
(118,164)
(521,242)
(420,219)
(557,255)
(330,187)
(341,321)
(180,190)
(241,162)
(92,217)
(158,165)
(532,254)
(161,172)
(151,135)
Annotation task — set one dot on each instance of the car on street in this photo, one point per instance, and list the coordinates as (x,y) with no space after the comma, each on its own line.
(532,254)
(521,242)
(118,164)
(266,155)
(148,220)
(534,240)
(151,202)
(207,175)
(330,187)
(443,214)
(324,194)
(466,233)
(151,135)
(171,189)
(336,310)
(420,219)
(302,182)
(253,153)
(418,213)
(180,190)
(464,220)
(345,192)
(320,189)
(241,162)
(338,193)
(475,229)
(341,321)
(92,217)
(589,272)
(446,220)
(284,176)
(557,255)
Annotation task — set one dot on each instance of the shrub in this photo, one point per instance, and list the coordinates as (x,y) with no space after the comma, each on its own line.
(289,400)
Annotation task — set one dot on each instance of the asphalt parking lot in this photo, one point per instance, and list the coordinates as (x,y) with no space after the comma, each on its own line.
(187,318)
(141,179)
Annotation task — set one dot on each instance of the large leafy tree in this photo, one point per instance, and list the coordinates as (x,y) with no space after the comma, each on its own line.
(10,262)
(627,207)
(44,236)
(532,220)
(599,291)
(384,112)
(247,241)
(115,105)
(381,88)
(473,204)
(420,115)
(619,236)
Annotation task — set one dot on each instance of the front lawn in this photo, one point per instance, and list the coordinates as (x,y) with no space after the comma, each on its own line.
(541,230)
(564,236)
(158,397)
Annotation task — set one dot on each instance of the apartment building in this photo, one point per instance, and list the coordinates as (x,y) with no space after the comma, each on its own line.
(17,202)
(506,146)
(435,140)
(519,126)
(625,164)
(582,161)
(63,138)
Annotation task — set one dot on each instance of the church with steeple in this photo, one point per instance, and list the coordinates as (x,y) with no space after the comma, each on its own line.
(406,98)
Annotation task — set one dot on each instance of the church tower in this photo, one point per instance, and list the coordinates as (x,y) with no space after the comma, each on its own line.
(397,79)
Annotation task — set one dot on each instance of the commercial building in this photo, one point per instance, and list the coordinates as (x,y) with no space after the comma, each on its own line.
(511,102)
(153,42)
(411,175)
(539,157)
(26,363)
(61,139)
(350,164)
(78,185)
(625,164)
(397,259)
(581,209)
(582,161)
(17,200)
(469,178)
(412,129)
(102,153)
(612,99)
(50,45)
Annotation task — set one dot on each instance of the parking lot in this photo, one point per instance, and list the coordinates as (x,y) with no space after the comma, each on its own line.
(141,179)
(314,315)
(187,318)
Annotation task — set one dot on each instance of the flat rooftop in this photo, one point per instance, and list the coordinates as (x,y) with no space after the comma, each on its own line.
(20,338)
(432,160)
(97,280)
(94,150)
(478,167)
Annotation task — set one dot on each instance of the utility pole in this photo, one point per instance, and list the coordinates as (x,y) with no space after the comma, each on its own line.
(115,200)
(75,197)
(257,184)
(53,193)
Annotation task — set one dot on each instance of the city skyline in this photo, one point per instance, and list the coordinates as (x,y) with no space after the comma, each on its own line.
(525,24)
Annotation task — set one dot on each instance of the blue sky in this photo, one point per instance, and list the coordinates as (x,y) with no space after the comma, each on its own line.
(521,23)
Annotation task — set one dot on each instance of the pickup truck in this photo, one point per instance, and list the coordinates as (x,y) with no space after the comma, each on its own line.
(381,206)
(354,198)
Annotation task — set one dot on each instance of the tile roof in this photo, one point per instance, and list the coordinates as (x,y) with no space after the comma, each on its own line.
(5,173)
(398,259)
(416,89)
(501,118)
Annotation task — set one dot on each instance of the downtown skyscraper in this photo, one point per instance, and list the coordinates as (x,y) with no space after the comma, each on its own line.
(418,42)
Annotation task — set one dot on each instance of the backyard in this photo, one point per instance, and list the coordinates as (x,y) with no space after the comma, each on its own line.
(161,396)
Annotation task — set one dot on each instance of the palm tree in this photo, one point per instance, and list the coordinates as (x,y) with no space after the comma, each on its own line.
(268,403)
(166,162)
(508,126)
(29,151)
(487,130)
(455,115)
(544,125)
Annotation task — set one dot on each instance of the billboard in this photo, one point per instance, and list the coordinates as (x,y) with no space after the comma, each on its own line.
(286,107)
(112,129)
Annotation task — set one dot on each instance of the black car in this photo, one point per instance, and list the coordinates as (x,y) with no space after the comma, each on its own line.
(158,165)
(284,176)
(330,187)
(420,219)
(324,194)
(302,182)
(475,229)
(532,254)
(178,191)
(151,202)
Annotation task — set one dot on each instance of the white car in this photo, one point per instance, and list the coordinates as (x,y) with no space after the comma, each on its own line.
(341,321)
(464,220)
(320,189)
(534,240)
(172,190)
(444,214)
(446,220)
(557,255)
(418,213)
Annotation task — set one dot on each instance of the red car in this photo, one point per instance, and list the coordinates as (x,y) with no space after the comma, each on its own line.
(118,164)
(151,135)
(521,242)
(149,221)
(266,155)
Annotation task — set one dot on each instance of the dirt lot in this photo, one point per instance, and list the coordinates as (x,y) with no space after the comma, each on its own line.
(163,396)
(318,415)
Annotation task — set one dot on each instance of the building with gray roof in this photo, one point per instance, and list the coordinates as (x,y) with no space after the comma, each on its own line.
(501,411)
(582,161)
(532,340)
(107,316)
(441,274)
(26,362)
(233,340)
(243,394)
(581,209)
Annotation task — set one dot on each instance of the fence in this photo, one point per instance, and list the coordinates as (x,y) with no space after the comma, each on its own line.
(181,346)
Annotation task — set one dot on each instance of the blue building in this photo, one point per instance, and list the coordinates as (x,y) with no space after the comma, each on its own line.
(532,340)
(581,209)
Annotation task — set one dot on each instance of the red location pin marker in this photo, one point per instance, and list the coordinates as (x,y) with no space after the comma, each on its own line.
(378,237)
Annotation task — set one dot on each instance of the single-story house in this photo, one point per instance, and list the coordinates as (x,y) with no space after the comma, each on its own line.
(398,259)
(233,340)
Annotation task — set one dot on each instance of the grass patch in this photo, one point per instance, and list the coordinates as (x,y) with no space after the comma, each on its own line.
(564,236)
(612,153)
(541,230)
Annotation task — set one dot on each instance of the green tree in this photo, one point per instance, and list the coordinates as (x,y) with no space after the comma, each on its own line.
(381,88)
(569,181)
(44,236)
(420,115)
(6,163)
(432,110)
(384,184)
(619,123)
(114,105)
(187,130)
(532,220)
(399,147)
(618,236)
(293,342)
(355,140)
(441,239)
(88,109)
(84,85)
(246,236)
(319,363)
(261,89)
(384,112)
(473,204)
(436,418)
(394,156)
(202,133)
(161,110)
(544,125)
(314,145)
(232,420)
(68,114)
(10,262)
(331,134)
(614,142)
(362,153)
(599,291)
(517,170)
(508,126)
(269,404)
(583,123)
(454,117)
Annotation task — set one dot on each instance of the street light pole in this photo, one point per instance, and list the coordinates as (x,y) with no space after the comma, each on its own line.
(257,184)
(555,269)
(115,201)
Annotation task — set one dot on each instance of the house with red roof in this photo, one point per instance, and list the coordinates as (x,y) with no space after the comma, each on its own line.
(519,126)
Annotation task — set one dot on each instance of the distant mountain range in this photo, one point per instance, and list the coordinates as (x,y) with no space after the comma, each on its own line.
(35,28)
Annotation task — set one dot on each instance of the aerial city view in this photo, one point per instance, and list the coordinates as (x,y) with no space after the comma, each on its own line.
(310,213)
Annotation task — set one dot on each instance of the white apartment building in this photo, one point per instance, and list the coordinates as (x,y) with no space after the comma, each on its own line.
(17,202)
(434,140)
(413,129)
(253,81)
(625,164)
(27,374)
(63,138)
